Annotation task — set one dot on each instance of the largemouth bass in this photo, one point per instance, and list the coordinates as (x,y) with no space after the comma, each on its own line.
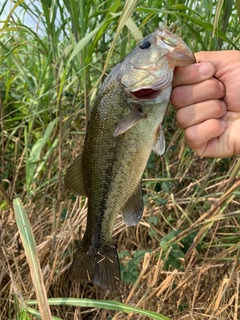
(125,125)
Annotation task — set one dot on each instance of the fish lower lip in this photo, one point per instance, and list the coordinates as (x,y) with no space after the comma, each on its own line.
(146,94)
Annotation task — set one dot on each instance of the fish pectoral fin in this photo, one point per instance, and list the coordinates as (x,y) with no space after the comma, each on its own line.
(129,121)
(101,267)
(132,210)
(73,179)
(159,146)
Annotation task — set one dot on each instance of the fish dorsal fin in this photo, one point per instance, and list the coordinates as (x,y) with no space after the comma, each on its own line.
(159,146)
(73,179)
(132,210)
(129,121)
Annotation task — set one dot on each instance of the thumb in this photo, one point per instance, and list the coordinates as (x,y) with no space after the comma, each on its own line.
(193,73)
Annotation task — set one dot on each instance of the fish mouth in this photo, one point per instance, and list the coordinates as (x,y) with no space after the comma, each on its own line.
(146,94)
(179,53)
(151,91)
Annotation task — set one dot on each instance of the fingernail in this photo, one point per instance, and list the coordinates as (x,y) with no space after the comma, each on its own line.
(224,106)
(222,87)
(206,70)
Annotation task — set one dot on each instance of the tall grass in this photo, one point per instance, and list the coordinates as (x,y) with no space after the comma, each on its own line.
(182,260)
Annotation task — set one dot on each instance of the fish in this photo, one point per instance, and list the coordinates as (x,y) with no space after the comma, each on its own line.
(125,125)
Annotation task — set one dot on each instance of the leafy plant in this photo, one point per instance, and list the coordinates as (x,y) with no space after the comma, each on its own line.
(130,270)
(174,252)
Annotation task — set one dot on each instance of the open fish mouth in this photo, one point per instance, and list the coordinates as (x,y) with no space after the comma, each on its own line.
(146,94)
(152,90)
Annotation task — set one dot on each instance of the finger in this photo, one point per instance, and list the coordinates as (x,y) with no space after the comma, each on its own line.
(193,73)
(218,58)
(227,66)
(210,149)
(227,144)
(198,136)
(207,90)
(199,112)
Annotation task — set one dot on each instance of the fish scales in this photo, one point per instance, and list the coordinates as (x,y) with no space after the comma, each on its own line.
(123,157)
(125,125)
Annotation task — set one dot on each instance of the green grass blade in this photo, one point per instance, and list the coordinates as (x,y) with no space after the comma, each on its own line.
(126,14)
(18,65)
(104,304)
(137,34)
(37,314)
(35,154)
(23,315)
(29,245)
(238,7)
(10,14)
(84,41)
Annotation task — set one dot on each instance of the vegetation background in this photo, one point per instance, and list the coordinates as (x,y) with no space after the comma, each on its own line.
(182,260)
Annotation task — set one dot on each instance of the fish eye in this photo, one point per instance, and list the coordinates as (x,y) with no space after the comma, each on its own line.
(145,44)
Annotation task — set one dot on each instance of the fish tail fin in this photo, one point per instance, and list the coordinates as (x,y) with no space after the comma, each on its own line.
(100,267)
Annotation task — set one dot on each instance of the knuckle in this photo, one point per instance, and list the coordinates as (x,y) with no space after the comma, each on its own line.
(182,118)
(190,138)
(177,96)
(218,108)
(217,88)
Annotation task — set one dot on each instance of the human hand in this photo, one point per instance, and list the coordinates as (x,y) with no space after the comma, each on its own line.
(207,98)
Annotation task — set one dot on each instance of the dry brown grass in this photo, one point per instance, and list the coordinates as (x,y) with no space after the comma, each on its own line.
(206,287)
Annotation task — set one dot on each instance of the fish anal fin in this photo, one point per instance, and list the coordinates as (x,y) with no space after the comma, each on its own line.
(73,179)
(129,121)
(132,210)
(159,146)
(100,267)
